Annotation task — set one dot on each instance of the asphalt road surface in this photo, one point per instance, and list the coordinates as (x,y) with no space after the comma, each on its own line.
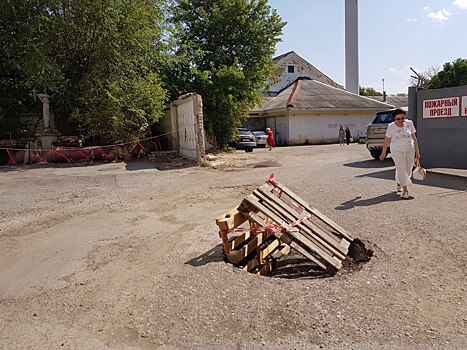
(127,256)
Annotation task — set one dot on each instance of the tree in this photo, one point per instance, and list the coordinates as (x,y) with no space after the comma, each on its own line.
(422,80)
(96,58)
(21,51)
(453,74)
(368,91)
(227,46)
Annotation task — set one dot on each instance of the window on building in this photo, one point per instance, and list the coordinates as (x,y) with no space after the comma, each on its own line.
(291,69)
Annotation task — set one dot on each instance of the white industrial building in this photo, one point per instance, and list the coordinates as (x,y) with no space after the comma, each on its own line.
(305,106)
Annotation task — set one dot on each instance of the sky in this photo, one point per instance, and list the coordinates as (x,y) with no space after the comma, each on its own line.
(393,36)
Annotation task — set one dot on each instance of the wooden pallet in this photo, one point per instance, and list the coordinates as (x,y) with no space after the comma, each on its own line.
(245,245)
(290,223)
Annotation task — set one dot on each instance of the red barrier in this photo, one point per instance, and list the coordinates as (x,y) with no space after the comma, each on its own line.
(103,153)
(85,156)
(61,155)
(142,147)
(159,147)
(12,160)
(37,156)
(118,151)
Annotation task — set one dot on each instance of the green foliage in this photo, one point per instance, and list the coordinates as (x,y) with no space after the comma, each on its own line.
(229,149)
(225,49)
(111,65)
(368,91)
(96,58)
(453,74)
(21,51)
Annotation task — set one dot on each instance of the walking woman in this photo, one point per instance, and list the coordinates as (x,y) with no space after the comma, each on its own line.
(404,149)
(270,140)
(347,135)
(341,136)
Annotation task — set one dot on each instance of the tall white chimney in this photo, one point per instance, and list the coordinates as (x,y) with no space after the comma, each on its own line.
(351,46)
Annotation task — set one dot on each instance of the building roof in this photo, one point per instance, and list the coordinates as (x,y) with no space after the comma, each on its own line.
(292,56)
(312,95)
(396,101)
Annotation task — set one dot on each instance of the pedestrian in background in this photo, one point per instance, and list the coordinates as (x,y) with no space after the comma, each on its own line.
(270,139)
(341,136)
(347,134)
(404,149)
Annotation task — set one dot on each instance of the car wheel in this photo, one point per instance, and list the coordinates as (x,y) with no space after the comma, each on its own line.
(375,153)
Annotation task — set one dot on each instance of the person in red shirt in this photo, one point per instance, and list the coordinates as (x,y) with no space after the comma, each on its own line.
(270,139)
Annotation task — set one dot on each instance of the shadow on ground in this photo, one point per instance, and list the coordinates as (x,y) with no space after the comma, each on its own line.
(433,179)
(450,182)
(358,202)
(159,165)
(371,164)
(215,254)
(26,167)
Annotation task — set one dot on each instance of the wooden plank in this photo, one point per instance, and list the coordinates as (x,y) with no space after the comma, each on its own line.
(252,264)
(300,238)
(329,234)
(313,211)
(232,245)
(315,243)
(265,269)
(302,251)
(319,236)
(283,248)
(272,246)
(309,245)
(225,242)
(253,200)
(277,210)
(232,219)
(238,255)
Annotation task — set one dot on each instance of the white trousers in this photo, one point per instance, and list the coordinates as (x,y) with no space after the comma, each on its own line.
(404,161)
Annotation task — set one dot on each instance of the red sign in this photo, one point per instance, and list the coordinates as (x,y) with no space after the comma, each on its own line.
(446,107)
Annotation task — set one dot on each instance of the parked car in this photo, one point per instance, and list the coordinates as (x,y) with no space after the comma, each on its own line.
(246,140)
(376,131)
(261,138)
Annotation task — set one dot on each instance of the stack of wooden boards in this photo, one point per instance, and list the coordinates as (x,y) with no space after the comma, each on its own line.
(271,221)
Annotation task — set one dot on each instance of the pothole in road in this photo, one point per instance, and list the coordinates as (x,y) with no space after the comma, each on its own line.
(274,232)
(296,266)
(268,164)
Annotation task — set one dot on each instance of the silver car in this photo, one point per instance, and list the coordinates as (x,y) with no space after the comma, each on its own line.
(246,140)
(261,138)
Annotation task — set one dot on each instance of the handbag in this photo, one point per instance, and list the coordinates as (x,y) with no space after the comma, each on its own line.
(418,173)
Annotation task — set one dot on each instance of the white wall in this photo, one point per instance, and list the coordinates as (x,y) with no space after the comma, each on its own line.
(325,128)
(280,129)
(302,69)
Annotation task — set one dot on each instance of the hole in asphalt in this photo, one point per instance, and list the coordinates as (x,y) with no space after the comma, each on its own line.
(268,164)
(296,266)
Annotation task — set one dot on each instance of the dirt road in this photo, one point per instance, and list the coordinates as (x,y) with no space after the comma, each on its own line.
(116,256)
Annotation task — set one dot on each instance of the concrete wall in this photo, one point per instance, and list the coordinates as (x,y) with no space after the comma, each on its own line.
(442,137)
(183,124)
(325,128)
(280,129)
(168,126)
